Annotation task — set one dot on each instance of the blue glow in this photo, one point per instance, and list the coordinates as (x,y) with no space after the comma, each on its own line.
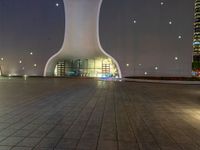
(196,43)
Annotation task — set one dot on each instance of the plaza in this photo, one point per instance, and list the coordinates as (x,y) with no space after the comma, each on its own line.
(99,75)
(91,114)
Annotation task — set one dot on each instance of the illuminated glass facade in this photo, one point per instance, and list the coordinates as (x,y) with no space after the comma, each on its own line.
(97,67)
(196,39)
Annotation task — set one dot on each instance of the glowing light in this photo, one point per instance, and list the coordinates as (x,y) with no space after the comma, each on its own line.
(196,43)
(193,113)
(180,37)
(20,61)
(170,22)
(145,73)
(35,65)
(156,68)
(25,77)
(57,4)
(140,64)
(162,3)
(175,58)
(134,21)
(127,65)
(100,75)
(31,53)
(2,59)
(9,75)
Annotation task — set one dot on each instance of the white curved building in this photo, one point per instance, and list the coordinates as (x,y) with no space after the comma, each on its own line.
(144,38)
(81,53)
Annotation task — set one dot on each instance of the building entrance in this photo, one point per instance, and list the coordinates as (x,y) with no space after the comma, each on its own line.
(98,67)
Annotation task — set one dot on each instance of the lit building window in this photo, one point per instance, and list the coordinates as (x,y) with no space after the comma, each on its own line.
(196,37)
(98,67)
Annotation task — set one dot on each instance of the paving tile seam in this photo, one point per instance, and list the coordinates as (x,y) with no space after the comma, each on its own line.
(27,135)
(172,136)
(114,100)
(97,145)
(87,120)
(136,112)
(173,139)
(42,96)
(67,129)
(129,121)
(37,104)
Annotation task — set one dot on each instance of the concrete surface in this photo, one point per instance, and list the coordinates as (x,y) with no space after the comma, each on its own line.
(69,114)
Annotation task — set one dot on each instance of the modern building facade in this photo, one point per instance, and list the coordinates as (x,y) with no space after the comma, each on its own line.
(78,37)
(81,53)
(196,39)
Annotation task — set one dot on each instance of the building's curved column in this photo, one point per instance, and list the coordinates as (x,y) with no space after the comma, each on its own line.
(81,40)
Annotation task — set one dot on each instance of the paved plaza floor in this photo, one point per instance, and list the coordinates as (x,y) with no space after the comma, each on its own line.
(87,114)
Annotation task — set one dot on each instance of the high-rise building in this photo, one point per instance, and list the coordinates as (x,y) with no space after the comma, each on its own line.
(196,39)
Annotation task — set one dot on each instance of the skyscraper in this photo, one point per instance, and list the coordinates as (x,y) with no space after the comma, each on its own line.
(196,39)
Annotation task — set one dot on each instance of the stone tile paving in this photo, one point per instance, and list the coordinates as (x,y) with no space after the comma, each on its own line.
(87,114)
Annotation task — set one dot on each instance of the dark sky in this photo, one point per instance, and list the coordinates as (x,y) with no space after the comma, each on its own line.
(38,26)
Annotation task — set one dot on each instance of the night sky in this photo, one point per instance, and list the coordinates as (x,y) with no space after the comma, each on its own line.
(135,32)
